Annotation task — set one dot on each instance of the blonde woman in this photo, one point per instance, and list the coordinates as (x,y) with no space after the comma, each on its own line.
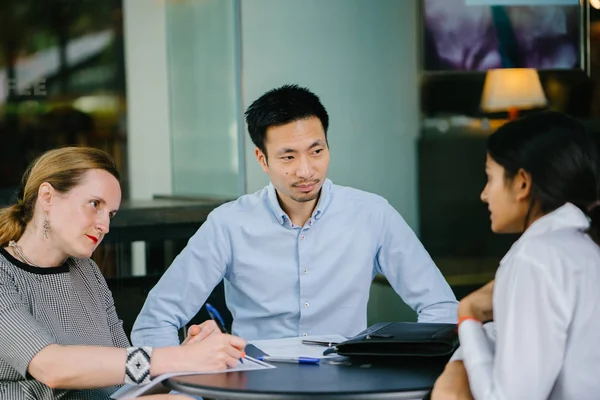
(61,336)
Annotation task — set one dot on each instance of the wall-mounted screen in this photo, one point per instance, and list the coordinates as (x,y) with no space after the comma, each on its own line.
(477,35)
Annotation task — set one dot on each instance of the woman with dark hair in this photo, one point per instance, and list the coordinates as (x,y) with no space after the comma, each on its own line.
(60,336)
(543,182)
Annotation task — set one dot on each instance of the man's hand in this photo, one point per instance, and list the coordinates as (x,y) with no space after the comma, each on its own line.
(478,304)
(200,332)
(452,384)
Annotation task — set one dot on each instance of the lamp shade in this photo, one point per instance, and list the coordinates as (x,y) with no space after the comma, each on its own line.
(512,88)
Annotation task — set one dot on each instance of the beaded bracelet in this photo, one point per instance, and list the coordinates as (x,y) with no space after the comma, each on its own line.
(137,365)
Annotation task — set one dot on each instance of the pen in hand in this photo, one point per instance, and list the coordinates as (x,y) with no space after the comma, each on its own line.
(216,316)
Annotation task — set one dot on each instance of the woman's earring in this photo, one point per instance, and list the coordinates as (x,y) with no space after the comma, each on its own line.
(46,227)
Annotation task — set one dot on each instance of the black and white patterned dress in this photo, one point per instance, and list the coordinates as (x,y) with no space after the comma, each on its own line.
(66,305)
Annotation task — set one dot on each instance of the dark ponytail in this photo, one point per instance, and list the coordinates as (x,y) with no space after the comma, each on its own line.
(593,212)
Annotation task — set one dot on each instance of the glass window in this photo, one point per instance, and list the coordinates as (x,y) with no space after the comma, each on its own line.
(62,82)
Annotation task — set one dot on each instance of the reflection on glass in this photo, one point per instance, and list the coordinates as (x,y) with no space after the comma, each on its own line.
(56,57)
(204,99)
(61,83)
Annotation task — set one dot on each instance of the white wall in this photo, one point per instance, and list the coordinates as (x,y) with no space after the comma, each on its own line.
(148,129)
(360,57)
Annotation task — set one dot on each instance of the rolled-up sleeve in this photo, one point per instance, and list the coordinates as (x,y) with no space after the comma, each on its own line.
(490,331)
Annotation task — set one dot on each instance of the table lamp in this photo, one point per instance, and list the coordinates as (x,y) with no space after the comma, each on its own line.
(512,89)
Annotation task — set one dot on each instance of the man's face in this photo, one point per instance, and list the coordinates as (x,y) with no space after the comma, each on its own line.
(298,159)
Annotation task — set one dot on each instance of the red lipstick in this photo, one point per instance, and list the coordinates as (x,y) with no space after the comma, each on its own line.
(93,238)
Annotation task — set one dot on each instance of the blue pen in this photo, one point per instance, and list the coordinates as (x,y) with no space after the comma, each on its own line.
(215,316)
(292,360)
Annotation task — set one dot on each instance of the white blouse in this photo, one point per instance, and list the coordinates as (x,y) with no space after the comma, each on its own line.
(546,317)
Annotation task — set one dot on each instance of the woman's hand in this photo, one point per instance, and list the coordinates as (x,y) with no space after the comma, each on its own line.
(452,384)
(214,353)
(478,304)
(197,333)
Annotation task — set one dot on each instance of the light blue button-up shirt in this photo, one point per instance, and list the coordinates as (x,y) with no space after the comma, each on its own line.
(284,280)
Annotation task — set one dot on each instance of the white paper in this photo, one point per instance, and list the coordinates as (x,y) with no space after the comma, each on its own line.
(293,347)
(133,391)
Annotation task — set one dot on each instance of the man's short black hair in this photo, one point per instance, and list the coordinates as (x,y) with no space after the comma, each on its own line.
(280,106)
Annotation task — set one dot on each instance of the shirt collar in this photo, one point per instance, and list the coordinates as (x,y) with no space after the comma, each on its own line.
(566,216)
(324,200)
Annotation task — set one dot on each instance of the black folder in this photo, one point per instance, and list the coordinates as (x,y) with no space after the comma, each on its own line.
(402,339)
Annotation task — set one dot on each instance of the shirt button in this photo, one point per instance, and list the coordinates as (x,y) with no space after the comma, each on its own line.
(305,334)
(305,305)
(302,237)
(305,271)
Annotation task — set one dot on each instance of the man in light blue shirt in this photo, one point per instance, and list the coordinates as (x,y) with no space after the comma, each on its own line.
(299,256)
